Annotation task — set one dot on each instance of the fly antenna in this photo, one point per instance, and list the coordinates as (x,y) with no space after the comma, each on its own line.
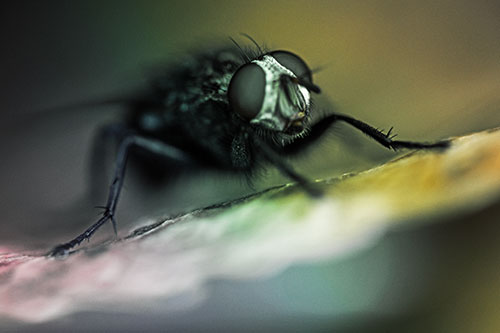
(311,86)
(311,71)
(317,69)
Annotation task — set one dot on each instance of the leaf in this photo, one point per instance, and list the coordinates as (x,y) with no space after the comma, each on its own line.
(256,238)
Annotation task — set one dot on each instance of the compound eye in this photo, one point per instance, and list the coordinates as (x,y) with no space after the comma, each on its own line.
(294,63)
(246,91)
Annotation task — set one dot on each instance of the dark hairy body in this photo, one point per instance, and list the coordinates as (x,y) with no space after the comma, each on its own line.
(189,103)
(210,112)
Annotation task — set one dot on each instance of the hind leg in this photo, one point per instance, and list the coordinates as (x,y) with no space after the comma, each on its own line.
(157,147)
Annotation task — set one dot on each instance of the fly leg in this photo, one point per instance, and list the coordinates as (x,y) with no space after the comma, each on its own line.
(277,160)
(104,144)
(316,132)
(385,139)
(152,145)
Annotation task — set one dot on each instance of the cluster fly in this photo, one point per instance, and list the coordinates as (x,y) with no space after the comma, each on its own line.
(232,110)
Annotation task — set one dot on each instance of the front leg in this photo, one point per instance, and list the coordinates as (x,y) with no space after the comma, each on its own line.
(386,140)
(277,160)
(318,129)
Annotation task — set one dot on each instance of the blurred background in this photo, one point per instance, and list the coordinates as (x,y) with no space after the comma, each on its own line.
(431,69)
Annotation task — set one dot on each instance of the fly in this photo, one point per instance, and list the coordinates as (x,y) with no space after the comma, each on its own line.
(232,110)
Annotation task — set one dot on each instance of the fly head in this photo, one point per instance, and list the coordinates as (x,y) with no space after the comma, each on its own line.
(273,92)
